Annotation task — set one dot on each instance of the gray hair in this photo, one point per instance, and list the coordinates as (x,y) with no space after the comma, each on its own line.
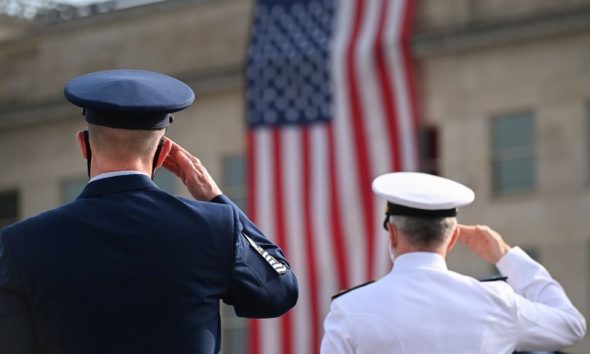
(424,232)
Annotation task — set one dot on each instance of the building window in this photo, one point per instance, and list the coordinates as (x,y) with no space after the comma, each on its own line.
(235,329)
(234,179)
(429,150)
(513,153)
(588,133)
(8,208)
(165,180)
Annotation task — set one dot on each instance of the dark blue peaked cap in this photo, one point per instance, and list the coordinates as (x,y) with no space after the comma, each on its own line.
(129,99)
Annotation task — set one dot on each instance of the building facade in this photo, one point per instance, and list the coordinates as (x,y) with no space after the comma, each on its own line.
(504,100)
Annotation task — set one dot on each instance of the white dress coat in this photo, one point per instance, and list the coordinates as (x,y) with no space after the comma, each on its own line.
(421,307)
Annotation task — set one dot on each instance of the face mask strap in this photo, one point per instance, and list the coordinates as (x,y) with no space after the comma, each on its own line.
(156,155)
(88,151)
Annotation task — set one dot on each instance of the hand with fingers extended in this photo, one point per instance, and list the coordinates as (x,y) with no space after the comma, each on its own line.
(192,173)
(483,241)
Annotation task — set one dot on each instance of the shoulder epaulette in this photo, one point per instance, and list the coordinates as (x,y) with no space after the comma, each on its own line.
(493,278)
(338,294)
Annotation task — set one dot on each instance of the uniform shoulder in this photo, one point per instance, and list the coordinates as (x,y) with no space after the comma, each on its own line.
(496,289)
(205,207)
(209,212)
(491,278)
(37,222)
(346,291)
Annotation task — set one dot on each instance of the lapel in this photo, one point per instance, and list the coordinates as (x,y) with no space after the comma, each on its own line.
(117,184)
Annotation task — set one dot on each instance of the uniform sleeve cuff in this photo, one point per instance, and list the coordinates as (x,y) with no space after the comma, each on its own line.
(509,263)
(520,268)
(221,199)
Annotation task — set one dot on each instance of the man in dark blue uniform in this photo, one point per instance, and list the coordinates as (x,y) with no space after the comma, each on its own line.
(127,268)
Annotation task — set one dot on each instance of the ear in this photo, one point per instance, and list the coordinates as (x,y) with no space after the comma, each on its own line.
(164,151)
(82,143)
(454,238)
(393,234)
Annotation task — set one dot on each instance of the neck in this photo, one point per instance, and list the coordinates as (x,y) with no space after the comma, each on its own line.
(100,166)
(404,248)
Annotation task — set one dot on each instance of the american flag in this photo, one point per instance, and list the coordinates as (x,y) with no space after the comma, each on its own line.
(330,106)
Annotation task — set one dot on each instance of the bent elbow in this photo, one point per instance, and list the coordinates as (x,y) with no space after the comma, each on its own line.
(576,330)
(579,329)
(282,303)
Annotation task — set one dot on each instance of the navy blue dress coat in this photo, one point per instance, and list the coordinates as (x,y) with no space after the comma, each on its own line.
(129,269)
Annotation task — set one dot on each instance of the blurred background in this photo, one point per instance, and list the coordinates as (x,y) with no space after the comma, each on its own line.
(502,97)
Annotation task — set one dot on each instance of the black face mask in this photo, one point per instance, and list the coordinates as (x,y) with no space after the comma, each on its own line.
(156,155)
(89,153)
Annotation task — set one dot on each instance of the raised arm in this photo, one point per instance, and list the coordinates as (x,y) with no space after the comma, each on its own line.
(262,283)
(546,318)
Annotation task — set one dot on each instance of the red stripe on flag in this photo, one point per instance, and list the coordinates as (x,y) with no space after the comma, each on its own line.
(408,12)
(281,240)
(253,325)
(308,233)
(335,219)
(387,90)
(360,144)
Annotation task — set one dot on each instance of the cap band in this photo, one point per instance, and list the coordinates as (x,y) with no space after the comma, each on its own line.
(396,209)
(131,121)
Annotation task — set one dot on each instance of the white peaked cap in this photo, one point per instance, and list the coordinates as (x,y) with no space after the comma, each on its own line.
(422,191)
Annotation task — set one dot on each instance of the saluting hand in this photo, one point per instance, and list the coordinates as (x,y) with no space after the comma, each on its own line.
(485,242)
(191,171)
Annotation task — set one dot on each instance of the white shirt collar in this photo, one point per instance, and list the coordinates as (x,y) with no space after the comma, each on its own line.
(413,260)
(115,173)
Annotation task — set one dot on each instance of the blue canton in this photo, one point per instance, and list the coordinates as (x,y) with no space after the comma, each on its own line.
(287,72)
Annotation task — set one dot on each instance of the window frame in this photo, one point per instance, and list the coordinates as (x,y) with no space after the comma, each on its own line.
(11,193)
(516,152)
(237,192)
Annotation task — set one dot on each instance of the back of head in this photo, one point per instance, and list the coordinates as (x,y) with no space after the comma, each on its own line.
(423,232)
(127,112)
(124,144)
(422,207)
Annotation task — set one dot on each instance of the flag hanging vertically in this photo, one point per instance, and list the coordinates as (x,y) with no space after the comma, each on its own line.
(330,106)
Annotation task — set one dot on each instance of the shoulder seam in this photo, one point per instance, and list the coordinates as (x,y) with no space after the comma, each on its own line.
(346,291)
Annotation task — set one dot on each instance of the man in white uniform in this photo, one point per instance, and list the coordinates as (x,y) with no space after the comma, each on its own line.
(422,307)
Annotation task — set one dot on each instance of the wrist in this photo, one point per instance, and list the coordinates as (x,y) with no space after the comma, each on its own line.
(502,250)
(215,196)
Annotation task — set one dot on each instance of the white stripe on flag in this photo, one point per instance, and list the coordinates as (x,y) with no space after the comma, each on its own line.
(323,246)
(407,132)
(346,166)
(372,103)
(294,233)
(269,330)
(380,149)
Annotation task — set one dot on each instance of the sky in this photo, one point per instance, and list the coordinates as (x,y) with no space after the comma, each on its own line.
(81,2)
(124,3)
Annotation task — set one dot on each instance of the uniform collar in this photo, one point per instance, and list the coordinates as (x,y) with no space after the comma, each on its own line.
(114,174)
(117,184)
(413,260)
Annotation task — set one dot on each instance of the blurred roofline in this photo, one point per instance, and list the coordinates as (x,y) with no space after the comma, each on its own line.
(483,34)
(53,11)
